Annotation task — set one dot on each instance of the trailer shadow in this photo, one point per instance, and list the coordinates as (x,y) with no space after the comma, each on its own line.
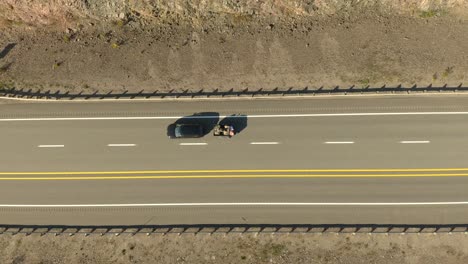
(208,120)
(238,121)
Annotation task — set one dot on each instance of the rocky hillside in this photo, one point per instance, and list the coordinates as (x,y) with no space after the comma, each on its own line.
(65,13)
(134,45)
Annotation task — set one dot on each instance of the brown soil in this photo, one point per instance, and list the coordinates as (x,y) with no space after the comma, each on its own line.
(153,45)
(236,249)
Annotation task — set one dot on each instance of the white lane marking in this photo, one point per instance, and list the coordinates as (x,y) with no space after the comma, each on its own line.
(51,146)
(193,144)
(121,145)
(415,142)
(357,114)
(234,204)
(209,117)
(264,143)
(339,142)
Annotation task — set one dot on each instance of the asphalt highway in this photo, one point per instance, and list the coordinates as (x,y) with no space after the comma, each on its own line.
(377,159)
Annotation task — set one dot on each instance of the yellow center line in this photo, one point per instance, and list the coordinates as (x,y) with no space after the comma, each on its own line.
(252,176)
(229,171)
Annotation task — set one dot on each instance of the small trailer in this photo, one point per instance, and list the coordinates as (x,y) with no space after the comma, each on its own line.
(224,130)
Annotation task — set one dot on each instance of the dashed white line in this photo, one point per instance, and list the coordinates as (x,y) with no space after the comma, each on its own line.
(264,143)
(121,145)
(339,142)
(239,204)
(51,146)
(415,142)
(193,144)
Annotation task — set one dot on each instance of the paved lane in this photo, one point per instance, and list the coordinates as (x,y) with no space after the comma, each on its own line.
(295,190)
(334,104)
(90,148)
(237,191)
(285,142)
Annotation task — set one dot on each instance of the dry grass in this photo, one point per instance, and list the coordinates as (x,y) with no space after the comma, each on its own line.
(230,249)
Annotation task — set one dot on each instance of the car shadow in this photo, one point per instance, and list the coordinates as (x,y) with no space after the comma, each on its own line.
(207,120)
(238,121)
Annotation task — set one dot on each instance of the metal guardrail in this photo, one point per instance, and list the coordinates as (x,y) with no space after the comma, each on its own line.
(66,95)
(232,229)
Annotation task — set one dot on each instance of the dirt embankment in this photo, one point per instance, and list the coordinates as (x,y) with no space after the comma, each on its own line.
(236,249)
(133,45)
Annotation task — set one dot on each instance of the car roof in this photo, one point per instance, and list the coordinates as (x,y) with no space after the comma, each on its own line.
(197,125)
(188,130)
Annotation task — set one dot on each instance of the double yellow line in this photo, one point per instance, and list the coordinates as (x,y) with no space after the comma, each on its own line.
(223,174)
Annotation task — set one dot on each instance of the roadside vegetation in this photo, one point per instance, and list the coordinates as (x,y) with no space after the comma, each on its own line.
(181,44)
(237,249)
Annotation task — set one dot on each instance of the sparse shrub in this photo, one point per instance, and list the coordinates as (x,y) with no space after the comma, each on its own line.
(4,85)
(5,68)
(120,23)
(274,250)
(429,13)
(66,38)
(277,249)
(56,65)
(364,82)
(115,45)
(447,71)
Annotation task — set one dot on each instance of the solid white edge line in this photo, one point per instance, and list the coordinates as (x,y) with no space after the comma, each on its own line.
(289,97)
(264,143)
(121,145)
(244,116)
(339,142)
(51,146)
(193,144)
(415,142)
(230,204)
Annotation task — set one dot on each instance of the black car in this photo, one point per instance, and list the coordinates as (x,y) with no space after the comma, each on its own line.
(187,131)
